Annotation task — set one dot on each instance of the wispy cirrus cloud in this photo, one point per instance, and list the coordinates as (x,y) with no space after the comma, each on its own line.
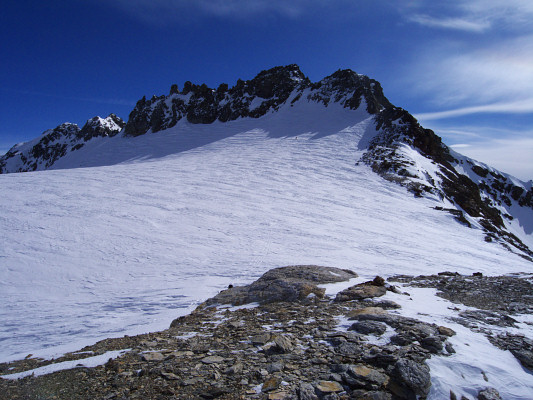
(473,15)
(451,23)
(516,107)
(164,11)
(461,80)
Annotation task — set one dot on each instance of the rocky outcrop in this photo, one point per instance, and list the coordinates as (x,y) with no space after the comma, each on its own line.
(483,197)
(495,301)
(288,347)
(101,127)
(284,284)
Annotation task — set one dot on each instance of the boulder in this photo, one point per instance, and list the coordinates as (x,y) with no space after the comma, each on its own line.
(359,292)
(412,377)
(293,283)
(369,327)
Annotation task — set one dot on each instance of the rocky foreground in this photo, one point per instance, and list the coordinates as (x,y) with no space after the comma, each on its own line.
(282,338)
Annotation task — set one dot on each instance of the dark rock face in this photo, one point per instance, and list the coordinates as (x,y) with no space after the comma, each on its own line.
(254,98)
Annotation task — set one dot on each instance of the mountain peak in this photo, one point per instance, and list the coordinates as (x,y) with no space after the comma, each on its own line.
(97,127)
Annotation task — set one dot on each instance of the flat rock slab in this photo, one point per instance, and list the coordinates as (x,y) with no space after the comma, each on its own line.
(212,360)
(153,356)
(329,387)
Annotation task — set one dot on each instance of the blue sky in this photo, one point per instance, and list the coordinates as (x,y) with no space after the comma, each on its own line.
(463,67)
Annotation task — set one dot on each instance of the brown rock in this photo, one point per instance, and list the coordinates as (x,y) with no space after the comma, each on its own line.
(360,292)
(446,331)
(378,281)
(353,314)
(277,396)
(329,387)
(271,384)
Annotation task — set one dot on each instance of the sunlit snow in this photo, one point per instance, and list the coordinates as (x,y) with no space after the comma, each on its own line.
(90,253)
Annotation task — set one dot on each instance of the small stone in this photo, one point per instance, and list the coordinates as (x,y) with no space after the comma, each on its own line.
(354,314)
(152,356)
(260,340)
(489,394)
(212,360)
(306,391)
(371,375)
(234,369)
(432,343)
(449,348)
(284,344)
(275,367)
(191,381)
(415,376)
(387,305)
(235,324)
(182,354)
(271,384)
(370,395)
(277,396)
(169,376)
(329,387)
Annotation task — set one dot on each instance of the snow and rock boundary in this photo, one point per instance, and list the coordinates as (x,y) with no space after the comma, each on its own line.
(304,344)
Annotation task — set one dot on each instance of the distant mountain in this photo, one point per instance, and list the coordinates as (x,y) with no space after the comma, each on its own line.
(41,153)
(401,151)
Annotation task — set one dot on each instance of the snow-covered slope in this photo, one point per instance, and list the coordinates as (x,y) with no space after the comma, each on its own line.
(131,230)
(88,253)
(402,151)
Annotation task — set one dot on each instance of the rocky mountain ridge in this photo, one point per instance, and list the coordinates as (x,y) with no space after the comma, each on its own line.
(402,151)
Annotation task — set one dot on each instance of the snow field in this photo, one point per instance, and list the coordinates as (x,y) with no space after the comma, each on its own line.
(100,252)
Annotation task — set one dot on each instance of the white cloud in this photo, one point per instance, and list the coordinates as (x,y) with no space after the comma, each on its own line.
(512,156)
(517,107)
(473,15)
(451,23)
(163,11)
(491,76)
